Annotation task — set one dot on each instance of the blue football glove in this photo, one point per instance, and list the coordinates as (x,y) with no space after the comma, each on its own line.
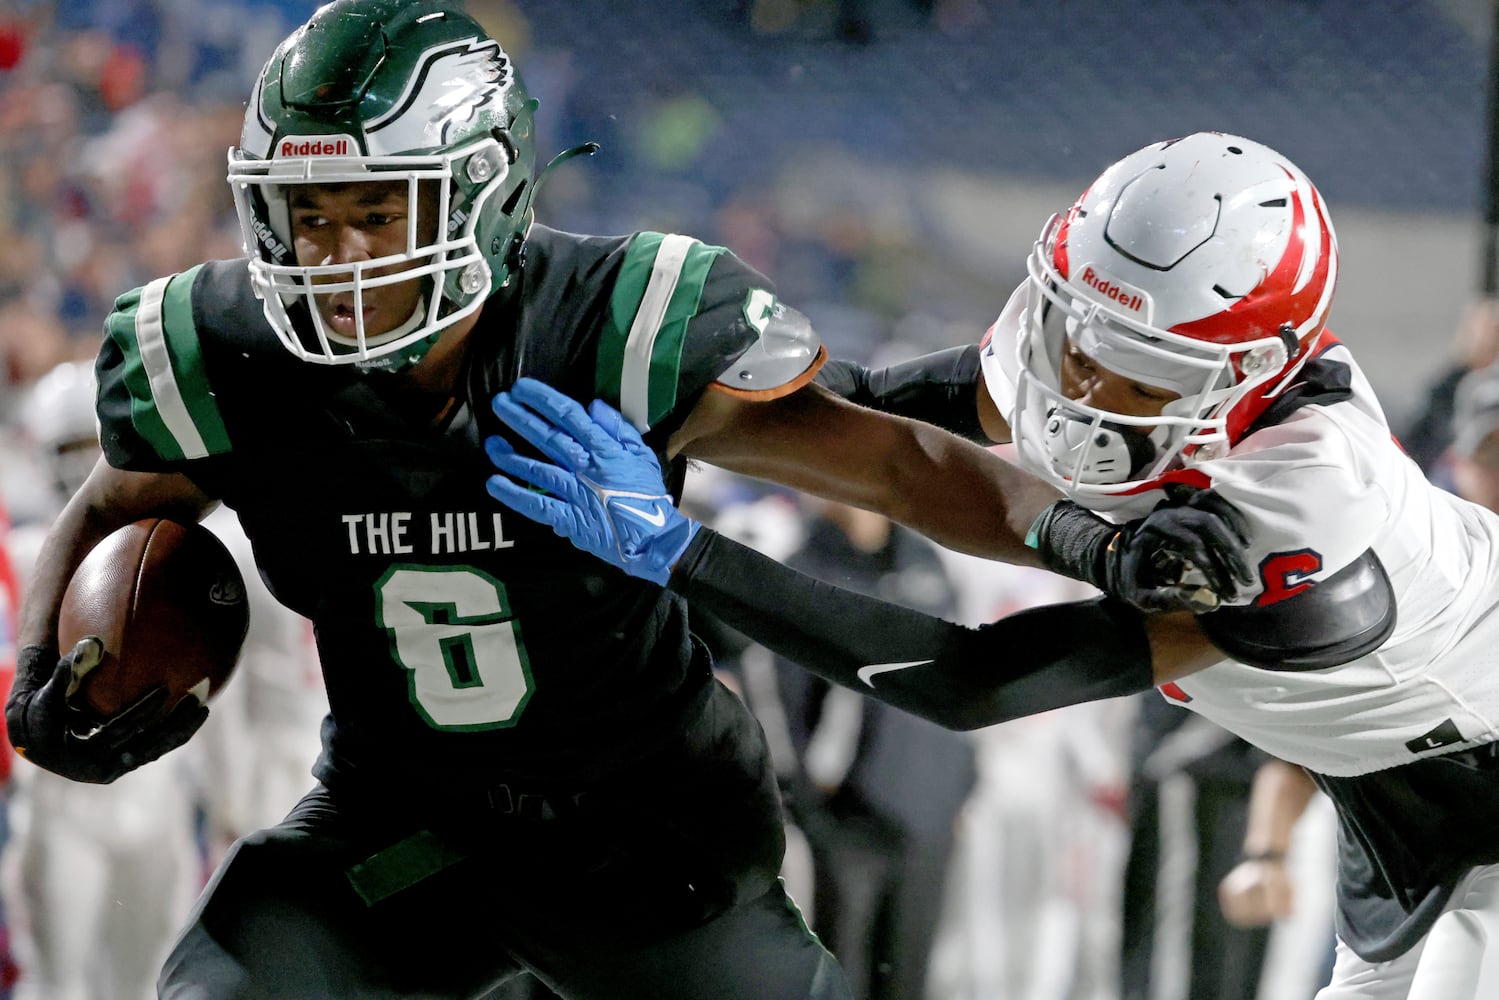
(604,493)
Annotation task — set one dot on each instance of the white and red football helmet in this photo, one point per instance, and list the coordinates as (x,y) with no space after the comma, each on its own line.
(1204,266)
(58,417)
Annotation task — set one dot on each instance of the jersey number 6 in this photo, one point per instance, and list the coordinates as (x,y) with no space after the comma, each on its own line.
(453,629)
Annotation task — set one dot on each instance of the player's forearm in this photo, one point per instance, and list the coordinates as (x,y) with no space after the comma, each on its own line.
(953,491)
(1280,795)
(76,530)
(939,388)
(1026,663)
(108,499)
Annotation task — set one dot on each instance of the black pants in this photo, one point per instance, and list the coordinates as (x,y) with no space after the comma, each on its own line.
(1223,962)
(879,899)
(669,894)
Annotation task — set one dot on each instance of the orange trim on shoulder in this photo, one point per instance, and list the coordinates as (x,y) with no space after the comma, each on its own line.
(784,389)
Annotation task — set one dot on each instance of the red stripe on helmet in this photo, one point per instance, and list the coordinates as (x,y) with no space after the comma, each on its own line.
(1059,258)
(1274,302)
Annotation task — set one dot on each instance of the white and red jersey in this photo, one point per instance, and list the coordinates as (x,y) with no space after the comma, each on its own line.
(1321,480)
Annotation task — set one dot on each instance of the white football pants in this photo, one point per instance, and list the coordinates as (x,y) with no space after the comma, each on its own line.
(1458,959)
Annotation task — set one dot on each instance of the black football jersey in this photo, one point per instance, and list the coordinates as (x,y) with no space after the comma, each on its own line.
(461,643)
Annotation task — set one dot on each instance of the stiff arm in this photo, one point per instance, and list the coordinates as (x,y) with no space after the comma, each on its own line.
(1025,663)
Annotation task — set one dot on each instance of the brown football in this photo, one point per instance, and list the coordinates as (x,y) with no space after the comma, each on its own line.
(168,602)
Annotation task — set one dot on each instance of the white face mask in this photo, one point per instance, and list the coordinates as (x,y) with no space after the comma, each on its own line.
(455,272)
(1083,451)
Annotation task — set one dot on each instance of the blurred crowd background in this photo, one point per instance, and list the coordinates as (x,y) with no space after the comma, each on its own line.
(888,163)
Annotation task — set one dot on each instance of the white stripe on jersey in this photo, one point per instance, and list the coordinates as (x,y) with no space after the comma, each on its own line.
(151,341)
(635,379)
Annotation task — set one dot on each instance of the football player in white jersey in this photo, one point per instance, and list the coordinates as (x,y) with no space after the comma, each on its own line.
(99,878)
(96,879)
(1169,348)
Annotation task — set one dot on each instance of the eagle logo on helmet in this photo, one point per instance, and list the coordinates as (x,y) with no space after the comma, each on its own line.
(456,84)
(478,83)
(421,94)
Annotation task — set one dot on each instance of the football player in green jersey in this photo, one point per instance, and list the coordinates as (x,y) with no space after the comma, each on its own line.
(527,765)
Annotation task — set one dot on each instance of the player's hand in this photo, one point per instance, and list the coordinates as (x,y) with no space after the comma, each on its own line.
(603,488)
(1189,553)
(1257,892)
(49,730)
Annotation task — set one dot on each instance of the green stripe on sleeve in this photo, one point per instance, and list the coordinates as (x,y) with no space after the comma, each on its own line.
(120,328)
(171,405)
(656,293)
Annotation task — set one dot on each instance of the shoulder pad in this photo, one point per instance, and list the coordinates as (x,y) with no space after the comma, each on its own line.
(1346,616)
(786,348)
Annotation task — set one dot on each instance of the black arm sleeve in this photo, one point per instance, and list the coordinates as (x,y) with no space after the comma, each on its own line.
(958,677)
(940,388)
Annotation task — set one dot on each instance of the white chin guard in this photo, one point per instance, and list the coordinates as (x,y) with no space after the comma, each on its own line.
(1092,452)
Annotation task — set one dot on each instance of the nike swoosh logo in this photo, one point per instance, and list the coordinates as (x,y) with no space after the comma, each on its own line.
(867,673)
(655,516)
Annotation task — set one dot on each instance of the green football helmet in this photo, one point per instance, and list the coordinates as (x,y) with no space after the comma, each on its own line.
(387,90)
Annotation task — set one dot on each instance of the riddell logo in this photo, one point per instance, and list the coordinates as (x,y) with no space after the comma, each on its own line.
(226,591)
(1113,289)
(321,145)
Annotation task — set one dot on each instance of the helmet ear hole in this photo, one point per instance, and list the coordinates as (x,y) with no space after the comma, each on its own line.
(1270,357)
(515,199)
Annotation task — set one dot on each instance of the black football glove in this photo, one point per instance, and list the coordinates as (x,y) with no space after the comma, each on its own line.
(52,733)
(1187,554)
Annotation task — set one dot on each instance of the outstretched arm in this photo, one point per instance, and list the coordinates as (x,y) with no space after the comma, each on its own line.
(961,495)
(604,493)
(953,491)
(962,678)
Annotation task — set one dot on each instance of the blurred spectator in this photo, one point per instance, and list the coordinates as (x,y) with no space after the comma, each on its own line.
(1188,811)
(879,790)
(1260,890)
(32,341)
(1473,459)
(1475,346)
(1033,910)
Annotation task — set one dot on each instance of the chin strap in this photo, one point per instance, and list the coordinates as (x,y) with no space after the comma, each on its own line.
(408,356)
(512,255)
